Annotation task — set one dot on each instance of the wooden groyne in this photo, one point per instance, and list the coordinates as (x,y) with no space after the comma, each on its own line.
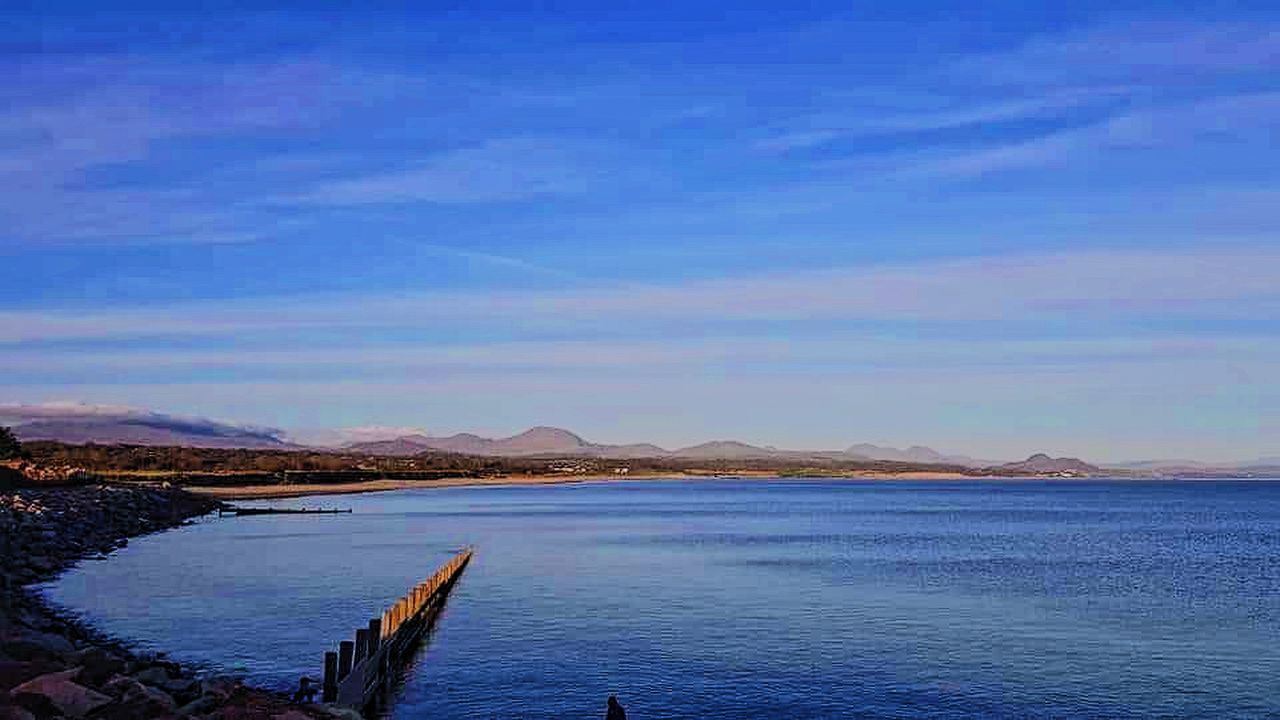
(358,674)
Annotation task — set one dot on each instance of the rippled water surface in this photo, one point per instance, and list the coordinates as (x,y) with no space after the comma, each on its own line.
(727,599)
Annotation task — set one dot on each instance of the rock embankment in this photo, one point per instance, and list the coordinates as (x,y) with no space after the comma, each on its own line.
(22,473)
(55,667)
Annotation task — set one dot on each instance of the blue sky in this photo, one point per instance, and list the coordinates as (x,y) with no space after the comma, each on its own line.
(997,230)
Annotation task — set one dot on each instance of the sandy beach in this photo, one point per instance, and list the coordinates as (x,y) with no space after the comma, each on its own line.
(259,492)
(263,492)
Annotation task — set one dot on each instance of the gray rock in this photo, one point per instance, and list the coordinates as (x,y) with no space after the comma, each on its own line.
(38,705)
(40,564)
(122,685)
(154,675)
(219,687)
(54,643)
(154,700)
(28,650)
(70,698)
(98,665)
(201,705)
(14,712)
(15,672)
(182,688)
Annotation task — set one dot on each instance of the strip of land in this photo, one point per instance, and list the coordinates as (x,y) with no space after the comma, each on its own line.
(275,490)
(245,473)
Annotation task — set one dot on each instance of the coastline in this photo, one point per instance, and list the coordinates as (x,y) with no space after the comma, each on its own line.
(53,664)
(277,491)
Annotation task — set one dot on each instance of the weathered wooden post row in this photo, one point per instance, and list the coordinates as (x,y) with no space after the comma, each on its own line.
(358,674)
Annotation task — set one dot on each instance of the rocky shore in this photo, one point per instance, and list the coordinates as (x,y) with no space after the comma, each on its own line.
(56,667)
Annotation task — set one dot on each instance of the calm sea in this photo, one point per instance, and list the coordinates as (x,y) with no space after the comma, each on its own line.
(729,599)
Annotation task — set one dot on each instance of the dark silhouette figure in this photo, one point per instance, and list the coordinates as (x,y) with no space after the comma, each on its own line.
(306,692)
(615,710)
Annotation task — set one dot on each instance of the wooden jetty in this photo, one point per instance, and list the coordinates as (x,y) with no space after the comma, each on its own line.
(232,510)
(359,673)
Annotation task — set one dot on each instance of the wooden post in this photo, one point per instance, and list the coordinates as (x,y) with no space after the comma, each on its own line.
(346,650)
(330,686)
(382,644)
(362,645)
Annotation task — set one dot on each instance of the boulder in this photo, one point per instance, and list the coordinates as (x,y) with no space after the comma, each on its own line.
(153,700)
(40,564)
(38,705)
(15,672)
(154,675)
(15,712)
(200,706)
(36,645)
(71,699)
(219,687)
(98,665)
(121,685)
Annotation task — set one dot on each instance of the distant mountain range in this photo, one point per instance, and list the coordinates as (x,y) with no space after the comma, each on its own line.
(915,454)
(548,441)
(106,425)
(78,424)
(535,441)
(1260,466)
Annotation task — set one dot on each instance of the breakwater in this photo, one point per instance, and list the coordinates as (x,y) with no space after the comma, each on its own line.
(359,673)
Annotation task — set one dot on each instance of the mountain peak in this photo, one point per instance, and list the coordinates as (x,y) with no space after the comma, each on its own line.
(912,454)
(1042,463)
(542,439)
(547,431)
(723,449)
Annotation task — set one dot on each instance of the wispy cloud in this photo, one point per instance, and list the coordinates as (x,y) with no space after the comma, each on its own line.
(65,120)
(494,171)
(673,355)
(1237,119)
(825,128)
(1167,52)
(497,261)
(1120,85)
(1209,283)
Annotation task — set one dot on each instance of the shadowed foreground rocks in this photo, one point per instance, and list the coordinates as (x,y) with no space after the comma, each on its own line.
(56,667)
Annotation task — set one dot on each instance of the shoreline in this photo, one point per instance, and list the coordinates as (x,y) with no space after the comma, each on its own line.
(278,491)
(54,664)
